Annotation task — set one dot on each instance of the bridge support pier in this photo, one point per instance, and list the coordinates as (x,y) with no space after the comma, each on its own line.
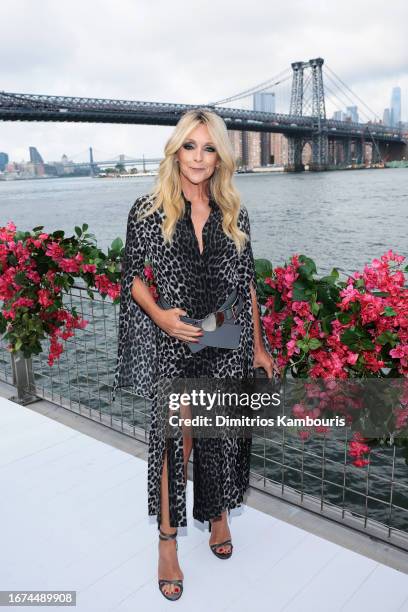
(245,149)
(375,153)
(347,152)
(265,148)
(320,152)
(358,148)
(332,153)
(295,147)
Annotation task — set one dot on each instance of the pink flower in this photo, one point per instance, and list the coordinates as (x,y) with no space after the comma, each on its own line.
(360,462)
(89,268)
(44,298)
(54,251)
(392,256)
(351,358)
(350,294)
(148,272)
(23,301)
(69,264)
(102,283)
(399,351)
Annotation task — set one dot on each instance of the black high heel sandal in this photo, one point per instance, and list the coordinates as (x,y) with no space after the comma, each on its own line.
(224,555)
(172,596)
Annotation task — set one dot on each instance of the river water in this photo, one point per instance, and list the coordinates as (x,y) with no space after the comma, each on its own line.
(340,218)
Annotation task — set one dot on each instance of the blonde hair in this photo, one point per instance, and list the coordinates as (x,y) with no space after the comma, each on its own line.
(167,192)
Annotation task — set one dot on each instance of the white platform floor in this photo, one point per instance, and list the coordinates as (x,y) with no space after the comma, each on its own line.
(73,515)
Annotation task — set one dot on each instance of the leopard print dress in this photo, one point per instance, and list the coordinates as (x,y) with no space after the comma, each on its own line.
(199,283)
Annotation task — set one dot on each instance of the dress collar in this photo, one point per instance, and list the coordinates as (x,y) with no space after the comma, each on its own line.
(187,203)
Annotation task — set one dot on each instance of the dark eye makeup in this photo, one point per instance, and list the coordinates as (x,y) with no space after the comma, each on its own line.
(189,145)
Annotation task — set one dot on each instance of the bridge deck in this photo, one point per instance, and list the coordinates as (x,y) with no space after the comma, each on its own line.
(73,515)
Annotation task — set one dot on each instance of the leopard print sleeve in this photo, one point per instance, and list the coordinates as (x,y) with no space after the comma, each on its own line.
(247,273)
(246,266)
(137,332)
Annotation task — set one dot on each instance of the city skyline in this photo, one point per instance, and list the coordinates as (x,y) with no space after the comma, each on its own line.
(171,59)
(261,101)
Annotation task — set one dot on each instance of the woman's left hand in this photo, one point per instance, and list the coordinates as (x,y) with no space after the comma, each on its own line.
(262,359)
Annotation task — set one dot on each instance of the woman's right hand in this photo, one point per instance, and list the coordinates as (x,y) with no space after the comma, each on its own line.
(168,320)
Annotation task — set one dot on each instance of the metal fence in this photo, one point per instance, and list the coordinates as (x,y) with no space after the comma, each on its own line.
(315,474)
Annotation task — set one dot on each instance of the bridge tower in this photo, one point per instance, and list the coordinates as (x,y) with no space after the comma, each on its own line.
(93,168)
(320,148)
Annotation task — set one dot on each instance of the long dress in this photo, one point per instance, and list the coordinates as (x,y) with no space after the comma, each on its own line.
(198,283)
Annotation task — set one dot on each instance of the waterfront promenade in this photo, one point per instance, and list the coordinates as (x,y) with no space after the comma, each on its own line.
(74,517)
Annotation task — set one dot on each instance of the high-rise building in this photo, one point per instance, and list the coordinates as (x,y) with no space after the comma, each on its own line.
(338,115)
(4,160)
(264,101)
(387,116)
(260,143)
(395,105)
(35,157)
(352,112)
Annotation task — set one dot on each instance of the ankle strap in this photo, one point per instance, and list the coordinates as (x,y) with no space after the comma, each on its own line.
(167,536)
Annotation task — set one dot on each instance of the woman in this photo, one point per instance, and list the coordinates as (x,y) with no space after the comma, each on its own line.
(196,236)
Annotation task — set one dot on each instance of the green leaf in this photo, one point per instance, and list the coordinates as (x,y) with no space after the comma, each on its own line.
(78,231)
(344,317)
(84,227)
(380,293)
(315,308)
(18,344)
(301,292)
(387,337)
(314,343)
(308,267)
(21,279)
(303,345)
(326,323)
(367,344)
(117,244)
(389,312)
(38,228)
(263,268)
(349,337)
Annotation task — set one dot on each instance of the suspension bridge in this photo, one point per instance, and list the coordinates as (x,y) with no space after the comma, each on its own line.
(303,92)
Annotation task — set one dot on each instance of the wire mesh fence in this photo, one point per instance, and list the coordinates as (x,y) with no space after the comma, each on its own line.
(315,474)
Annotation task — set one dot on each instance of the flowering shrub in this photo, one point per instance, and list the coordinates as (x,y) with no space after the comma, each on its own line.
(318,328)
(331,328)
(328,328)
(34,269)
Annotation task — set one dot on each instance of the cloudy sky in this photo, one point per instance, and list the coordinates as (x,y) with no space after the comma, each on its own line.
(188,52)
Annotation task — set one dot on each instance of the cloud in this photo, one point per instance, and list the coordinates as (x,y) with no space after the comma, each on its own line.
(190,52)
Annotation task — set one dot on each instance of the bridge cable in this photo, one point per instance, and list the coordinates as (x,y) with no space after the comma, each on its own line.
(276,80)
(346,96)
(354,94)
